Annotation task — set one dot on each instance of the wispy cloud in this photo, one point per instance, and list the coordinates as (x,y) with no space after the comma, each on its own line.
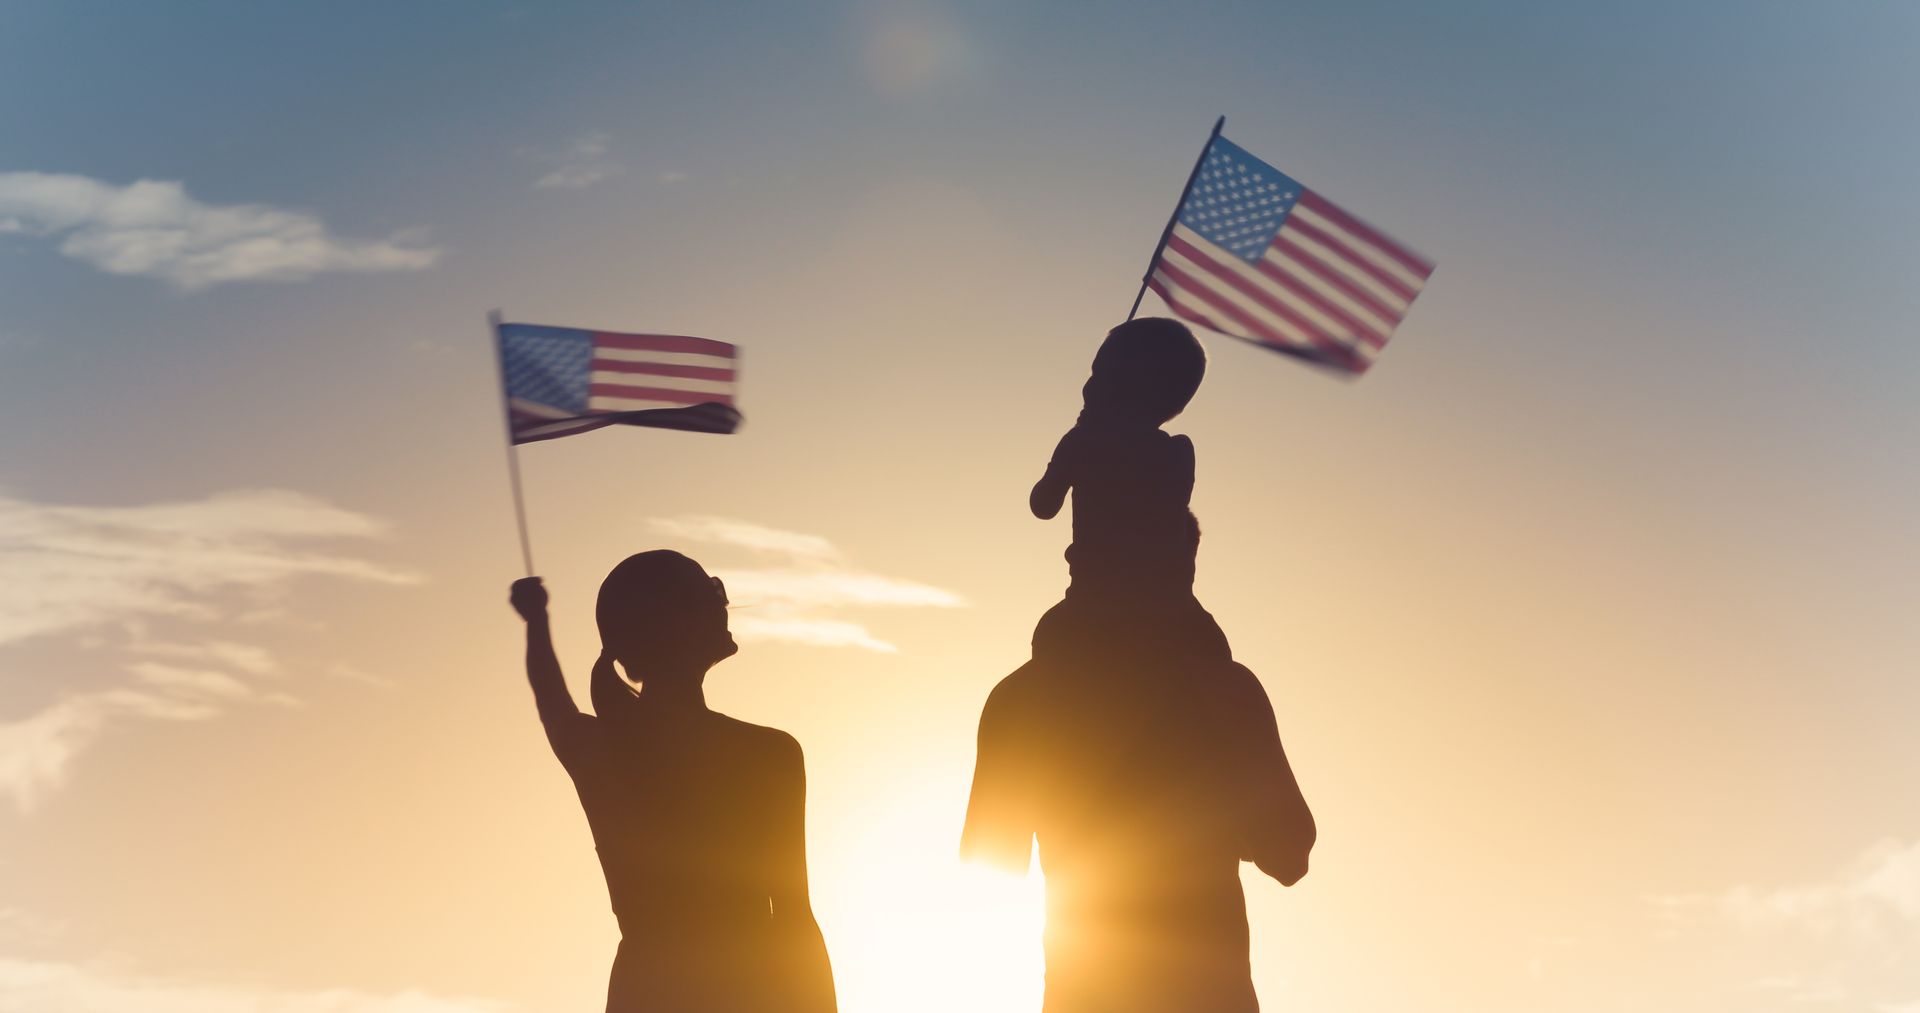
(76,569)
(155,229)
(822,586)
(248,658)
(36,751)
(31,986)
(71,567)
(802,630)
(747,535)
(581,164)
(1877,894)
(808,576)
(1848,937)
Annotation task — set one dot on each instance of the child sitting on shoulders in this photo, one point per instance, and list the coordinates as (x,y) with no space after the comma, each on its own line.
(1134,537)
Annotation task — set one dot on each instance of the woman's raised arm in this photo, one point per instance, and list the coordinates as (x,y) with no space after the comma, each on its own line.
(568,730)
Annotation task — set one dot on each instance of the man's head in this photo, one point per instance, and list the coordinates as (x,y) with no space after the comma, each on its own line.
(1147,370)
(660,613)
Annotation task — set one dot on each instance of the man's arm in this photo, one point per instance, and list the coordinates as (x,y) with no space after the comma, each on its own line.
(568,730)
(1280,831)
(806,973)
(999,826)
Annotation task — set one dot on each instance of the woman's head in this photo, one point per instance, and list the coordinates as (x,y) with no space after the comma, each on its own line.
(660,613)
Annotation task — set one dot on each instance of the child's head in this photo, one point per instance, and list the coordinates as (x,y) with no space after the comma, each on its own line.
(1146,371)
(659,612)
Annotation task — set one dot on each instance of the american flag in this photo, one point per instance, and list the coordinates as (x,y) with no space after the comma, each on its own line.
(1254,254)
(564,380)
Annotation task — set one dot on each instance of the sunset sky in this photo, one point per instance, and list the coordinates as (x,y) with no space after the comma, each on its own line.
(1587,614)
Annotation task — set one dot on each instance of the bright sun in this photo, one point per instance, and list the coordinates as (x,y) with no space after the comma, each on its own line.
(965,941)
(911,928)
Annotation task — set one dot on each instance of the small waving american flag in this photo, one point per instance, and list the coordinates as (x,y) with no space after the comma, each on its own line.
(1255,255)
(564,380)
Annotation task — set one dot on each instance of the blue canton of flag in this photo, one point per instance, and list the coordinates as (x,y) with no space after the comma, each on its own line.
(1238,202)
(548,365)
(1254,254)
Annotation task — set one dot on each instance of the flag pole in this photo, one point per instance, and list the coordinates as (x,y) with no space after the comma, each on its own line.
(513,453)
(1168,231)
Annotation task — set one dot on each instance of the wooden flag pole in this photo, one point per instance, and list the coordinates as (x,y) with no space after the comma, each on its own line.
(1168,231)
(513,453)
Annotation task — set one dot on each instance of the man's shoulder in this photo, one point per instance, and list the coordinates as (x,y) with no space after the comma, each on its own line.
(1033,694)
(1016,689)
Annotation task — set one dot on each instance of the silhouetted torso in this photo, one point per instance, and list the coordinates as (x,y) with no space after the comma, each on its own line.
(686,812)
(1131,486)
(1141,787)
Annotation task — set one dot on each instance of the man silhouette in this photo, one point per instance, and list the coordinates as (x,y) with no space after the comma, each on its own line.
(1144,759)
(699,819)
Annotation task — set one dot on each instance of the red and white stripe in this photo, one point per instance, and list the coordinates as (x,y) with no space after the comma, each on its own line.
(1329,288)
(632,372)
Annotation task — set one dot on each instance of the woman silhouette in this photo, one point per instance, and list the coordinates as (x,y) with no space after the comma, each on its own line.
(699,819)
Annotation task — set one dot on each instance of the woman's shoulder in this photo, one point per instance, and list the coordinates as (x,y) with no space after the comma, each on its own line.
(766,744)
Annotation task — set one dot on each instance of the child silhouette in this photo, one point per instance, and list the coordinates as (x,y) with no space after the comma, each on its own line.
(1131,563)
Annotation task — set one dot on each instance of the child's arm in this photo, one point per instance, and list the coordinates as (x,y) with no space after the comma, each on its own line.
(567,729)
(1183,467)
(1050,493)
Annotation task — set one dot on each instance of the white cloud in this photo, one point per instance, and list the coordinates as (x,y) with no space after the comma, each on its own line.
(783,601)
(155,229)
(79,570)
(36,751)
(245,657)
(1849,937)
(28,986)
(191,682)
(746,535)
(1876,894)
(818,632)
(583,163)
(71,567)
(832,588)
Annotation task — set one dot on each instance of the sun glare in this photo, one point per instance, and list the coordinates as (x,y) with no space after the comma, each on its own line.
(948,937)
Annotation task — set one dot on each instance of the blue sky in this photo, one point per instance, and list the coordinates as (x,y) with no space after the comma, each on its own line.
(1615,546)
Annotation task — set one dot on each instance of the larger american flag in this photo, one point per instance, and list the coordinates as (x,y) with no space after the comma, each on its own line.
(1254,254)
(564,380)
